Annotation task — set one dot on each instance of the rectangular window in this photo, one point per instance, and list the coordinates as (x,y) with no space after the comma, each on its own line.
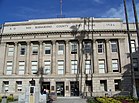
(60,67)
(135,64)
(73,47)
(5,86)
(117,84)
(19,85)
(48,49)
(133,46)
(74,66)
(115,67)
(100,47)
(87,66)
(22,50)
(114,46)
(103,85)
(87,47)
(9,68)
(10,51)
(47,67)
(34,66)
(61,48)
(35,50)
(21,67)
(101,66)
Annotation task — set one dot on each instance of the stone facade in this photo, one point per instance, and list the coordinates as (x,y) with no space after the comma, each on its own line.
(68,55)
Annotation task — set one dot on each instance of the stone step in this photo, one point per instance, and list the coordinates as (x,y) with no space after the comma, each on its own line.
(70,100)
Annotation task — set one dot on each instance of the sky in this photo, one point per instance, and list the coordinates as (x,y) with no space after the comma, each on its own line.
(23,10)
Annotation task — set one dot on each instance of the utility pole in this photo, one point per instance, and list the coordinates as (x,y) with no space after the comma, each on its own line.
(134,92)
(136,22)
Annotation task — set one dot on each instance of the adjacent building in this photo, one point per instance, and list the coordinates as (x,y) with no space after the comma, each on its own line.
(70,56)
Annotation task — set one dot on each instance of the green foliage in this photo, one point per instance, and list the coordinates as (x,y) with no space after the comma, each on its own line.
(0,98)
(10,98)
(107,100)
(91,100)
(119,99)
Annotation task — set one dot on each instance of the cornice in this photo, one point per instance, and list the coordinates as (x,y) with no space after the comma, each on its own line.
(63,32)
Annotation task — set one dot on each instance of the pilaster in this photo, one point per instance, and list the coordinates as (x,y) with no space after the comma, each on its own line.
(67,58)
(95,57)
(2,58)
(15,58)
(108,56)
(53,57)
(40,57)
(27,71)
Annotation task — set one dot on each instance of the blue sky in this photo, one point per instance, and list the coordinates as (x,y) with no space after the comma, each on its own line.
(22,10)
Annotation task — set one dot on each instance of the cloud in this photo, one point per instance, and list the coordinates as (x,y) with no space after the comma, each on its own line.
(119,12)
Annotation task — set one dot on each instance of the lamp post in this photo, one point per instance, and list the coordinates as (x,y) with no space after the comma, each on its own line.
(134,92)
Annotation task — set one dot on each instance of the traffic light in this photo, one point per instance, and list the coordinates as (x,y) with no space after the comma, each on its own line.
(32,82)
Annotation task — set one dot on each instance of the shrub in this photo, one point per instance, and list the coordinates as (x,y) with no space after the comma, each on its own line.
(10,98)
(107,100)
(0,98)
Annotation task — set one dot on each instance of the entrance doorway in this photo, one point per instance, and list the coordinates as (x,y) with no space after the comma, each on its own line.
(74,88)
(60,88)
(46,85)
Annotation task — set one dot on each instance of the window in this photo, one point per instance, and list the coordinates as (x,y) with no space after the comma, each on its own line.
(10,51)
(9,68)
(103,85)
(100,46)
(34,67)
(133,46)
(73,47)
(101,66)
(35,50)
(61,48)
(5,86)
(22,50)
(117,84)
(87,47)
(114,46)
(19,85)
(48,49)
(88,85)
(74,66)
(115,65)
(135,64)
(21,67)
(60,67)
(87,66)
(47,67)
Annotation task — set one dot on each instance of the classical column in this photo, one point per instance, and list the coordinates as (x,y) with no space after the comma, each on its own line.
(54,57)
(40,57)
(80,55)
(27,71)
(95,57)
(3,58)
(15,58)
(67,58)
(108,57)
(121,54)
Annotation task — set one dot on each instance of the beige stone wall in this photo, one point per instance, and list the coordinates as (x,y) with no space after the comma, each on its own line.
(59,30)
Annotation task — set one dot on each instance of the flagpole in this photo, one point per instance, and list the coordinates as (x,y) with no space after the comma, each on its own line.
(134,92)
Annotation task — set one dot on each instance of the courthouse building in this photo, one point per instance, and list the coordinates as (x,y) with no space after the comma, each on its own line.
(70,56)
